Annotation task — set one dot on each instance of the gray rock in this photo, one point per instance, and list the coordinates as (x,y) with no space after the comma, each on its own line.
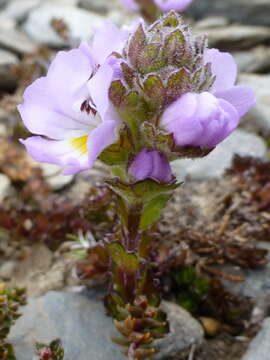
(5,186)
(212,22)
(259,349)
(237,37)
(19,9)
(7,58)
(259,117)
(54,177)
(185,331)
(214,165)
(101,6)
(255,12)
(63,2)
(3,3)
(79,319)
(255,61)
(8,80)
(7,270)
(15,41)
(80,24)
(256,282)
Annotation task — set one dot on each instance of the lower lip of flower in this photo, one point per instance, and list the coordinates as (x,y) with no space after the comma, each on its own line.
(80,144)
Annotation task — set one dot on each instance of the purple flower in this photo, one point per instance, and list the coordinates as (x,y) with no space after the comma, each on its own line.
(151,164)
(163,5)
(177,5)
(69,109)
(130,4)
(205,119)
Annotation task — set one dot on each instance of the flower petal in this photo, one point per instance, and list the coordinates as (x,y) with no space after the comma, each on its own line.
(109,38)
(168,5)
(241,97)
(99,89)
(161,168)
(141,166)
(130,4)
(220,127)
(179,119)
(41,120)
(223,67)
(48,107)
(61,153)
(67,77)
(151,164)
(200,120)
(100,138)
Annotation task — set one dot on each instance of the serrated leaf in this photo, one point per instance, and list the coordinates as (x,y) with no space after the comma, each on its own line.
(177,84)
(124,260)
(133,100)
(152,211)
(117,92)
(175,41)
(177,51)
(191,151)
(128,74)
(141,191)
(150,59)
(118,153)
(171,20)
(136,44)
(154,88)
(155,138)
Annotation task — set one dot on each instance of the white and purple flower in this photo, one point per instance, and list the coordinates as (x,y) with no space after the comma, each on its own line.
(69,109)
(205,119)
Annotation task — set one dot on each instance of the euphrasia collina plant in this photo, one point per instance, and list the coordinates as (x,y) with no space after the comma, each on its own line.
(136,100)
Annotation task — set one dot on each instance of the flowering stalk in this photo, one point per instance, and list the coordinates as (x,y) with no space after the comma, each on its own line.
(134,299)
(135,101)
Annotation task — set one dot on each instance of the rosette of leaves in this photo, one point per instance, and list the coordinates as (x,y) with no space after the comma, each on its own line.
(10,301)
(52,351)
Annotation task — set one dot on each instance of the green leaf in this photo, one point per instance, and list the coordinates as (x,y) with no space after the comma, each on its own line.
(186,276)
(118,153)
(157,139)
(178,83)
(171,20)
(152,211)
(126,261)
(129,74)
(136,45)
(201,285)
(141,191)
(150,59)
(117,92)
(154,88)
(114,304)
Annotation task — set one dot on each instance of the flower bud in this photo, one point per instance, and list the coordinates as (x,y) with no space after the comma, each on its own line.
(199,120)
(151,164)
(167,60)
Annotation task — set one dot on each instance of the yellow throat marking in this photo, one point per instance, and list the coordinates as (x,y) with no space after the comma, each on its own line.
(80,144)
